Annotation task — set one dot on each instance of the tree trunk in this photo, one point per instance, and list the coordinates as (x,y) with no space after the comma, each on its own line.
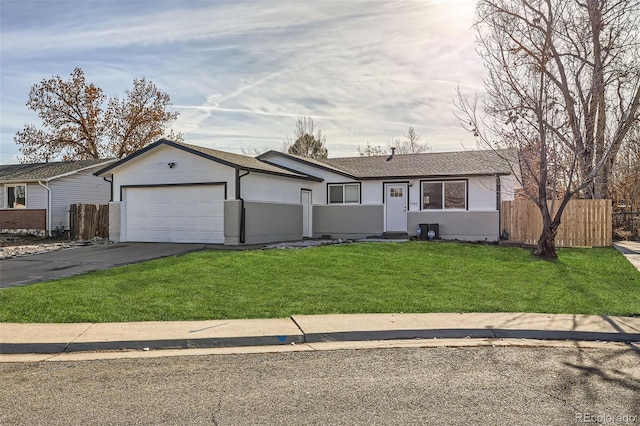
(604,190)
(547,244)
(547,241)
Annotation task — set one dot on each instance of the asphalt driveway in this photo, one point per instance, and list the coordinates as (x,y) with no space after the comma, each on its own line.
(76,260)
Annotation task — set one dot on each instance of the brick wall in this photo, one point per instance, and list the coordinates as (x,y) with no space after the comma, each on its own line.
(23,219)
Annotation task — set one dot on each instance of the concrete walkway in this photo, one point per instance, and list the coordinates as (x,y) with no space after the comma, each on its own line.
(306,329)
(630,250)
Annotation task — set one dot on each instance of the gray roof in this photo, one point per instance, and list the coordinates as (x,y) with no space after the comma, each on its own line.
(45,171)
(237,161)
(459,163)
(310,161)
(243,161)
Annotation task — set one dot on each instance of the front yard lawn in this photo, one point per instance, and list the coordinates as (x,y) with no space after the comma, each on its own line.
(349,278)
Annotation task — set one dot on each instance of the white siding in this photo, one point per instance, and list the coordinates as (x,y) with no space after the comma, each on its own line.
(298,166)
(36,196)
(482,193)
(508,185)
(152,169)
(79,188)
(319,195)
(415,195)
(273,189)
(371,192)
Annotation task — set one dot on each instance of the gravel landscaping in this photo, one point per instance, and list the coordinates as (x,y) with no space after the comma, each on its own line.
(24,245)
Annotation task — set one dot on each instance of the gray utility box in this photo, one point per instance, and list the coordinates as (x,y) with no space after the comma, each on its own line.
(426,227)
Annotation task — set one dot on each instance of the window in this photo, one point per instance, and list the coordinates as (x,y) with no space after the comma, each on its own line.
(395,192)
(444,195)
(16,196)
(344,193)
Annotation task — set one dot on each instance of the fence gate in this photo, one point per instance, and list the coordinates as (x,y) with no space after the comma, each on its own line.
(585,223)
(88,221)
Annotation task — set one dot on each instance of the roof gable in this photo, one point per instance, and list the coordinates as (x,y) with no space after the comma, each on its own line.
(236,161)
(47,171)
(319,164)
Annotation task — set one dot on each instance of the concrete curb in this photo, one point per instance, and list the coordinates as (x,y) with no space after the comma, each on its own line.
(352,336)
(308,329)
(359,336)
(228,342)
(355,336)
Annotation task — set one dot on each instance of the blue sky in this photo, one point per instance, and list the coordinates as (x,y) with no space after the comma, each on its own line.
(241,72)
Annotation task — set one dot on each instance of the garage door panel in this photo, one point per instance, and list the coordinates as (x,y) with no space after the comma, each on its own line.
(175,214)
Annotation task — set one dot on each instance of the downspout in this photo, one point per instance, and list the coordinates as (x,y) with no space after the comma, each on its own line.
(48,206)
(238,197)
(499,205)
(110,186)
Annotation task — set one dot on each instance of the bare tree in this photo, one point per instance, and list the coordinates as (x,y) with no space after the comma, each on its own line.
(411,143)
(306,144)
(75,126)
(626,174)
(73,112)
(254,152)
(371,150)
(138,119)
(563,88)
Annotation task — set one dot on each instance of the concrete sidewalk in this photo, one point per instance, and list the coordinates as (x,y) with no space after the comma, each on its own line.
(144,336)
(630,250)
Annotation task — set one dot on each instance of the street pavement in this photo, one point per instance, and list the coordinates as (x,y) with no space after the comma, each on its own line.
(490,385)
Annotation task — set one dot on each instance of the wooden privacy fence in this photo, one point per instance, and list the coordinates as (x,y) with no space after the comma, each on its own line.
(584,223)
(88,221)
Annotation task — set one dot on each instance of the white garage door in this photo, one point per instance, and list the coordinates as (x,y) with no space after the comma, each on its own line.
(180,214)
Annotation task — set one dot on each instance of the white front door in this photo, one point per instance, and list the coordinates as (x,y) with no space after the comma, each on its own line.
(307,223)
(395,202)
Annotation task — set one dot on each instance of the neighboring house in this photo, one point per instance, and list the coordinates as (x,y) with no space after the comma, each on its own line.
(176,192)
(35,198)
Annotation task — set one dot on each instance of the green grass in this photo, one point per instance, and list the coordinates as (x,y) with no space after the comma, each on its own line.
(353,278)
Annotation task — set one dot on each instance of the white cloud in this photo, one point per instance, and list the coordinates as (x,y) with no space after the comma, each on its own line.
(240,73)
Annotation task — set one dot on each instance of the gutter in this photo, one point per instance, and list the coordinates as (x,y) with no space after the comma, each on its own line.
(48,205)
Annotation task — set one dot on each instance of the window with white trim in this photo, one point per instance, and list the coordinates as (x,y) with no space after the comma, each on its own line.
(344,193)
(444,195)
(15,196)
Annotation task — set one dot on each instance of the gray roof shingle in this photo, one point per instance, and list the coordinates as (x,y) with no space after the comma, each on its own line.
(243,161)
(311,161)
(459,163)
(45,171)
